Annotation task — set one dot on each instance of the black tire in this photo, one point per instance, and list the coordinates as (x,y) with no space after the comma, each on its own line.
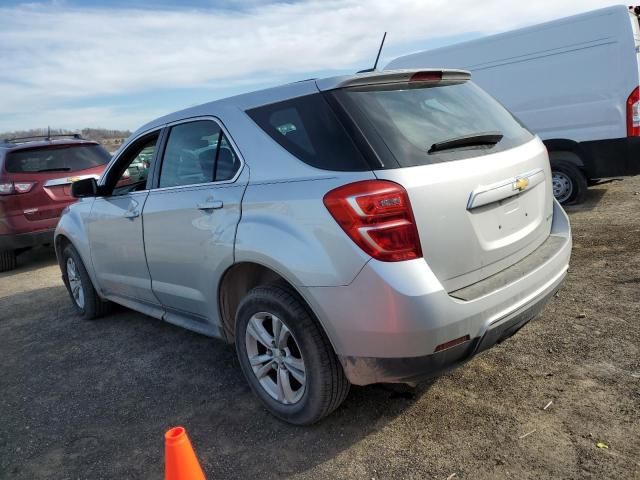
(7,260)
(564,169)
(93,306)
(326,385)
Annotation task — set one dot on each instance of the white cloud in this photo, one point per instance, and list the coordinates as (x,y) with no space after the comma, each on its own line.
(53,54)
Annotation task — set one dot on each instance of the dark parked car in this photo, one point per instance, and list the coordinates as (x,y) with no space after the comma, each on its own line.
(36,174)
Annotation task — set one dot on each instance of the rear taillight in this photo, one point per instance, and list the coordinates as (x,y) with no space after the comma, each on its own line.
(9,188)
(633,114)
(377,216)
(6,188)
(23,187)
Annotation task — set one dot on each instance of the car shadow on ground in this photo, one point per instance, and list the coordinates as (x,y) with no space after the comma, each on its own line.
(592,199)
(32,260)
(93,398)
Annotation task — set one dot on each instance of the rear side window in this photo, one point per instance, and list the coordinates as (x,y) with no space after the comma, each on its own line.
(59,158)
(308,129)
(197,152)
(404,123)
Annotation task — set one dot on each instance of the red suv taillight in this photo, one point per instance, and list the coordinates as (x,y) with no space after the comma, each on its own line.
(377,216)
(9,188)
(633,114)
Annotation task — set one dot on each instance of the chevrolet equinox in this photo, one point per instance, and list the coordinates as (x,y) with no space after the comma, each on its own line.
(378,227)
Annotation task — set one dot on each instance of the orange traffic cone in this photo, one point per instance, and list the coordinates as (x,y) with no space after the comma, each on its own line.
(180,462)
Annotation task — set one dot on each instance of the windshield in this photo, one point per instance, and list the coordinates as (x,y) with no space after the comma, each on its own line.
(64,158)
(404,124)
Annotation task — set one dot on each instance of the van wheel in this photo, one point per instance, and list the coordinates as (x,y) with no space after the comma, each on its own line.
(569,183)
(7,260)
(83,295)
(286,356)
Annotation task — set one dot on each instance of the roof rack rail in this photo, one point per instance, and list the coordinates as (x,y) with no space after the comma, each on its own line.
(46,137)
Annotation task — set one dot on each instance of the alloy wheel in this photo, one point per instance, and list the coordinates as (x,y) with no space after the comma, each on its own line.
(275,358)
(75,283)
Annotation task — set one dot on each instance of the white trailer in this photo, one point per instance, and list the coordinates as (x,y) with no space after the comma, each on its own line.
(573,81)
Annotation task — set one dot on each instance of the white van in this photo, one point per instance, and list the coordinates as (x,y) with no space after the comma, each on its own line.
(573,81)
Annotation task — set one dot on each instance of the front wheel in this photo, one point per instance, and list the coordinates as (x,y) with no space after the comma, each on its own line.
(85,299)
(286,357)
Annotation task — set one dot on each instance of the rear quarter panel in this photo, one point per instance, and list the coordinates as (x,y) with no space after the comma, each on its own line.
(286,227)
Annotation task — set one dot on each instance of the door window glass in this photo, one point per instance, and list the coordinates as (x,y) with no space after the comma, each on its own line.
(197,152)
(134,165)
(227,163)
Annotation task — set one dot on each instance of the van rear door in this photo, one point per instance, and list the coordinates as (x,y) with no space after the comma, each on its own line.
(635,25)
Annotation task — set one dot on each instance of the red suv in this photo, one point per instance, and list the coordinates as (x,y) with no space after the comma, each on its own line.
(35,186)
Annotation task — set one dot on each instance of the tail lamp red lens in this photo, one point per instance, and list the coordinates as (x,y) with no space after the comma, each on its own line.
(633,114)
(377,216)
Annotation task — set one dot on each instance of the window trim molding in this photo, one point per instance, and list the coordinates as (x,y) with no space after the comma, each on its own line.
(156,180)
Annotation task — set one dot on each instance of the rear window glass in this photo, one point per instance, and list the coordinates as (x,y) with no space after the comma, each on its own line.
(63,158)
(404,123)
(308,129)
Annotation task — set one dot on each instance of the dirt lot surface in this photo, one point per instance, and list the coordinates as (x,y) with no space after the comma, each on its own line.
(93,399)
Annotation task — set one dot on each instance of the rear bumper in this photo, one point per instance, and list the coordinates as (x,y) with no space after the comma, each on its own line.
(26,240)
(365,370)
(385,326)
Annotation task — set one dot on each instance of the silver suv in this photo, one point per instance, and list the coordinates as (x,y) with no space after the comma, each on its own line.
(380,227)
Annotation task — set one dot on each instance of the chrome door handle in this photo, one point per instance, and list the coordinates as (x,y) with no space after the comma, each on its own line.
(210,205)
(132,213)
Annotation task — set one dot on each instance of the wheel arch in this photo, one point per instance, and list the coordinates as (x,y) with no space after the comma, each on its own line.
(71,231)
(60,242)
(557,145)
(238,280)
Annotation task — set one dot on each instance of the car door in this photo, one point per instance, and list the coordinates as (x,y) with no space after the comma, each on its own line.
(115,226)
(190,220)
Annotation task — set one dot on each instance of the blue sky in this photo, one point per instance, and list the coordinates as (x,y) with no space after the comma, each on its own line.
(118,63)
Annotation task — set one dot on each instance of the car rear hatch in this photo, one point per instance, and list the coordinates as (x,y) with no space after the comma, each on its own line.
(479,183)
(42,176)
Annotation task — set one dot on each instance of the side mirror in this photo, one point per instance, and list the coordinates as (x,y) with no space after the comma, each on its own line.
(87,187)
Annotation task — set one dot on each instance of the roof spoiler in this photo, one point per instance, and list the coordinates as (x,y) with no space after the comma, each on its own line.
(392,77)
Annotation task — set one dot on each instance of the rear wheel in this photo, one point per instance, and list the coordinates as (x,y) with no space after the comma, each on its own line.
(7,260)
(85,299)
(286,357)
(569,183)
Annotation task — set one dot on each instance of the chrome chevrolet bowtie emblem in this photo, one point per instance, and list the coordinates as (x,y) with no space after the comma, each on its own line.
(521,184)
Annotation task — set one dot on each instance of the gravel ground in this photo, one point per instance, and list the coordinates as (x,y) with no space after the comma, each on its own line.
(93,399)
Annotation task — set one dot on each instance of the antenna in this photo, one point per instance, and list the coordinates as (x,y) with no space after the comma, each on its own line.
(48,132)
(375,65)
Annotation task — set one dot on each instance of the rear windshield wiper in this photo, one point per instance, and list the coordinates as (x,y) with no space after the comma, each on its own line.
(474,140)
(59,169)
